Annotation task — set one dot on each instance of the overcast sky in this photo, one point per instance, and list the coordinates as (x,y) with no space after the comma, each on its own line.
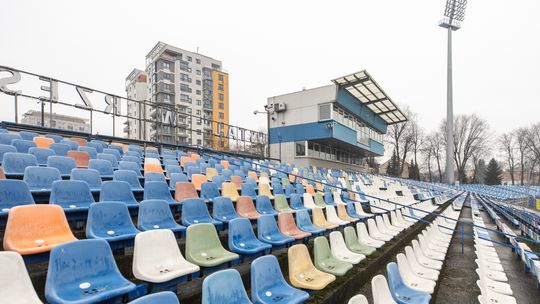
(275,47)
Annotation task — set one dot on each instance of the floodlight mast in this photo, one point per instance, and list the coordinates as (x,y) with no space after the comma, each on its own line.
(454,14)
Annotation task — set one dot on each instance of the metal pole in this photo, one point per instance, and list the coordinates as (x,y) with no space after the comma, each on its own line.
(16,108)
(449,117)
(42,112)
(267,133)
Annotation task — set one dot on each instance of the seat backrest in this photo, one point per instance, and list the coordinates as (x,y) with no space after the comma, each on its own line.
(57,138)
(41,154)
(267,226)
(5,149)
(14,193)
(15,281)
(79,140)
(109,157)
(194,210)
(197,180)
(95,145)
(303,219)
(154,212)
(286,223)
(127,176)
(244,206)
(318,217)
(394,278)
(229,189)
(6,138)
(64,164)
(264,205)
(71,194)
(150,167)
(60,148)
(41,178)
(92,152)
(225,284)
(321,250)
(22,145)
(201,238)
(104,167)
(117,191)
(296,201)
(157,190)
(154,177)
(210,173)
(73,145)
(131,166)
(209,191)
(381,292)
(164,297)
(27,135)
(15,163)
(299,260)
(90,176)
(240,229)
(108,219)
(81,158)
(171,169)
(280,202)
(319,200)
(266,275)
(184,190)
(223,209)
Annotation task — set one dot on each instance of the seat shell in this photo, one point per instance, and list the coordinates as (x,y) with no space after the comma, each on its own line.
(15,281)
(224,286)
(246,208)
(156,214)
(164,297)
(242,239)
(302,272)
(325,261)
(110,221)
(288,226)
(204,248)
(268,231)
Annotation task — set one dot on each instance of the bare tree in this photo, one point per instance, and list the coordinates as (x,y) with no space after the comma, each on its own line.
(434,143)
(399,137)
(427,151)
(507,146)
(417,137)
(521,141)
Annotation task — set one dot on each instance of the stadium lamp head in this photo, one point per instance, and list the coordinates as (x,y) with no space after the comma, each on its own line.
(454,14)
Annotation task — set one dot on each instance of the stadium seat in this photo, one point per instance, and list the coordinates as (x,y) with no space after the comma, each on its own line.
(40,179)
(164,297)
(358,299)
(319,200)
(4,149)
(296,202)
(308,201)
(117,191)
(129,177)
(64,164)
(60,148)
(80,141)
(325,261)
(303,222)
(90,176)
(27,135)
(88,274)
(155,177)
(92,152)
(197,180)
(157,257)
(242,239)
(6,138)
(25,231)
(281,204)
(319,219)
(352,242)
(57,138)
(210,173)
(365,239)
(375,233)
(158,191)
(246,208)
(81,158)
(156,214)
(340,250)
(130,166)
(95,145)
(152,167)
(194,211)
(171,169)
(204,248)
(237,180)
(302,273)
(420,269)
(110,158)
(110,221)
(113,152)
(344,215)
(13,193)
(15,281)
(209,191)
(381,292)
(224,286)
(268,231)
(268,284)
(288,226)
(41,154)
(72,195)
(332,217)
(229,190)
(184,190)
(264,189)
(73,145)
(43,142)
(14,163)
(423,259)
(264,206)
(400,291)
(411,279)
(22,145)
(223,209)
(248,189)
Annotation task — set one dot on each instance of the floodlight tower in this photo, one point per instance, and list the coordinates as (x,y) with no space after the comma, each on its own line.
(454,14)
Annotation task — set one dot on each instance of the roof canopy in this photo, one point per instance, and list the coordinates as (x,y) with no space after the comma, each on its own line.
(368,92)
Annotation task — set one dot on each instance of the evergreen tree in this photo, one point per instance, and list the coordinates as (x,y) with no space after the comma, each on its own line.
(481,171)
(493,173)
(416,171)
(392,165)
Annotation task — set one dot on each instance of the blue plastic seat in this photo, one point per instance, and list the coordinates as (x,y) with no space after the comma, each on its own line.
(227,173)
(351,210)
(264,206)
(248,189)
(329,199)
(73,145)
(40,179)
(55,137)
(278,189)
(64,164)
(129,177)
(14,163)
(296,202)
(41,154)
(131,166)
(104,167)
(72,195)
(95,145)
(154,177)
(268,231)
(84,272)
(176,178)
(112,152)
(209,191)
(192,170)
(158,191)
(164,297)
(60,148)
(171,169)
(194,211)
(218,180)
(90,176)
(118,148)
(110,221)
(269,286)
(5,149)
(170,162)
(223,209)
(26,135)
(117,191)
(156,214)
(90,150)
(6,138)
(303,221)
(13,193)
(224,287)
(132,157)
(300,189)
(402,293)
(22,145)
(219,168)
(242,239)
(109,157)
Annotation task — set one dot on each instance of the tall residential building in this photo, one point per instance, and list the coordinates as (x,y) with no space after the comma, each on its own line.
(137,88)
(191,84)
(57,121)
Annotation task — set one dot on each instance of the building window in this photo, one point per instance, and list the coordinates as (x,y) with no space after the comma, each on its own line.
(220,77)
(215,66)
(189,110)
(198,112)
(198,61)
(198,92)
(166,65)
(198,102)
(185,88)
(168,87)
(185,77)
(199,72)
(301,148)
(199,142)
(325,111)
(198,82)
(185,98)
(167,97)
(221,106)
(220,96)
(168,76)
(221,115)
(184,66)
(189,58)
(220,87)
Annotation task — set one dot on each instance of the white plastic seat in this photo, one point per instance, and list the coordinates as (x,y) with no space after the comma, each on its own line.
(407,215)
(498,287)
(365,239)
(433,255)
(341,252)
(489,257)
(308,201)
(383,228)
(488,296)
(157,257)
(441,245)
(434,230)
(360,211)
(389,225)
(338,201)
(498,276)
(423,271)
(381,292)
(15,281)
(375,233)
(430,246)
(491,266)
(358,299)
(397,222)
(410,279)
(153,161)
(332,217)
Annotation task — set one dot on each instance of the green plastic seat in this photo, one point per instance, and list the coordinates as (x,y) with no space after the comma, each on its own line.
(203,247)
(351,239)
(285,181)
(281,204)
(324,261)
(319,200)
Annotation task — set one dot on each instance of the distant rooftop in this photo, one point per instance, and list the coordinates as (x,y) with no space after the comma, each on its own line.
(57,116)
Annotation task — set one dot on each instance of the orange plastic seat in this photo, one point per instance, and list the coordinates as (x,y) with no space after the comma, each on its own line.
(152,148)
(246,208)
(225,164)
(309,189)
(183,190)
(229,190)
(237,180)
(184,160)
(2,174)
(210,173)
(195,156)
(79,140)
(287,225)
(124,148)
(302,272)
(342,214)
(43,142)
(320,220)
(149,167)
(33,229)
(81,158)
(197,180)
(264,189)
(253,175)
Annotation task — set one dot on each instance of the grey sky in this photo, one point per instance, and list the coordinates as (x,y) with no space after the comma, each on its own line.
(275,47)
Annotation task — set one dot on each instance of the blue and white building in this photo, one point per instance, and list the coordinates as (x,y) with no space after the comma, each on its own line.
(338,126)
